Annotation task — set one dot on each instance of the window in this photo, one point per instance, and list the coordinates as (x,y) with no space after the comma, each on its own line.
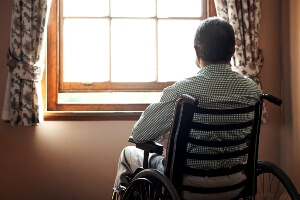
(118,55)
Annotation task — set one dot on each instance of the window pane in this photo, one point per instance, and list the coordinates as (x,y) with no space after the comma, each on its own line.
(86,44)
(82,8)
(132,8)
(180,8)
(176,55)
(133,47)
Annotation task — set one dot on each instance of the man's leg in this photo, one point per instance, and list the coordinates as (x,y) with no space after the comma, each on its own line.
(131,158)
(157,162)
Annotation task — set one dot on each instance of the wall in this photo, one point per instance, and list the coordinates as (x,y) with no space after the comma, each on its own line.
(290,48)
(78,159)
(270,76)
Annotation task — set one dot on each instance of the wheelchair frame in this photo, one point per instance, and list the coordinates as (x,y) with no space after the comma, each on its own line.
(152,184)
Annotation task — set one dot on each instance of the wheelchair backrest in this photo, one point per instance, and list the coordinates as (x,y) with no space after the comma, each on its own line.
(213,142)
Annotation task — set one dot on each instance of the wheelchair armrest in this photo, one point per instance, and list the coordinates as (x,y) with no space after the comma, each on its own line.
(150,147)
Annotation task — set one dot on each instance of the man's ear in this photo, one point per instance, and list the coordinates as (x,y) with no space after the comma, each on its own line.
(196,50)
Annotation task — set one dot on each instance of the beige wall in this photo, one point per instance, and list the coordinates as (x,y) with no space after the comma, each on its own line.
(290,40)
(77,159)
(270,75)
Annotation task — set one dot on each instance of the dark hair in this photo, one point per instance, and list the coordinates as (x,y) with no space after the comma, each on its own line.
(215,40)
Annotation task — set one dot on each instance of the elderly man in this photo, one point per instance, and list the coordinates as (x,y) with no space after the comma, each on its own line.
(214,84)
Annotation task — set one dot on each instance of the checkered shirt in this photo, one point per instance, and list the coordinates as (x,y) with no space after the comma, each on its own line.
(215,86)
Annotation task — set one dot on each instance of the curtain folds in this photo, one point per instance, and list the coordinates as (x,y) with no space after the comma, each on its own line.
(244,16)
(25,64)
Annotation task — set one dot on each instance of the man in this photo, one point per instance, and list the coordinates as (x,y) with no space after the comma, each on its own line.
(215,85)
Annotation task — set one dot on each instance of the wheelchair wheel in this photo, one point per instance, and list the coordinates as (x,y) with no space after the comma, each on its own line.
(150,184)
(273,183)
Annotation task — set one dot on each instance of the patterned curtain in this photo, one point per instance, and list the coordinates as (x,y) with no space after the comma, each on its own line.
(244,16)
(22,103)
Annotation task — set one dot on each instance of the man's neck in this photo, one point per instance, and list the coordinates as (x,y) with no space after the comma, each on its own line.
(205,63)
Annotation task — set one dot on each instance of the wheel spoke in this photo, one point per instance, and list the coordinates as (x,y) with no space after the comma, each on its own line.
(270,185)
(273,183)
(150,185)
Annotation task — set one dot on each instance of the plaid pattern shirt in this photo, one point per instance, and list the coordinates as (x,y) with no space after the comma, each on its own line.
(215,86)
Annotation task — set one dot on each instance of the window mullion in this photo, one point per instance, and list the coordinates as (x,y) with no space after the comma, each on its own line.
(60,44)
(109,63)
(156,53)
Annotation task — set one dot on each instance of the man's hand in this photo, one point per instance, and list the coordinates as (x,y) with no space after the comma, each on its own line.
(164,140)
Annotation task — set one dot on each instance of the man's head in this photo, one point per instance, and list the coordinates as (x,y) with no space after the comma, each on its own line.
(214,41)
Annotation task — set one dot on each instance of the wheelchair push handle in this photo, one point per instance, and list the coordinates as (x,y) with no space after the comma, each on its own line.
(272,99)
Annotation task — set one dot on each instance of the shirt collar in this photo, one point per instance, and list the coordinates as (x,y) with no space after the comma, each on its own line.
(214,69)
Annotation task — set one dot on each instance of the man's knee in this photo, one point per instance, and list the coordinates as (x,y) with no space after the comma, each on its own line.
(129,151)
(131,155)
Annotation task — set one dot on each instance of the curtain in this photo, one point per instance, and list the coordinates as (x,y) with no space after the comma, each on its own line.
(23,97)
(244,16)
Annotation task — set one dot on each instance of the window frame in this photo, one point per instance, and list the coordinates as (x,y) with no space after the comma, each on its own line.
(55,110)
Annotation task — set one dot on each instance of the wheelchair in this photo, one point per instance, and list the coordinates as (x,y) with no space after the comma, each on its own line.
(264,180)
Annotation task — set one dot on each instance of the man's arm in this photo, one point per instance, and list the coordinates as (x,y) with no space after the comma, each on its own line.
(156,120)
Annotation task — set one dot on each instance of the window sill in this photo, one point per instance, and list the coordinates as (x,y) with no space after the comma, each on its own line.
(91,116)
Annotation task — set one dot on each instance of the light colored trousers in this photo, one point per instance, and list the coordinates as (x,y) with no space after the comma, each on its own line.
(132,158)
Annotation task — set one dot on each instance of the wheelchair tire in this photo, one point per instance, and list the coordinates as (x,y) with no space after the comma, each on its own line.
(150,184)
(273,183)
